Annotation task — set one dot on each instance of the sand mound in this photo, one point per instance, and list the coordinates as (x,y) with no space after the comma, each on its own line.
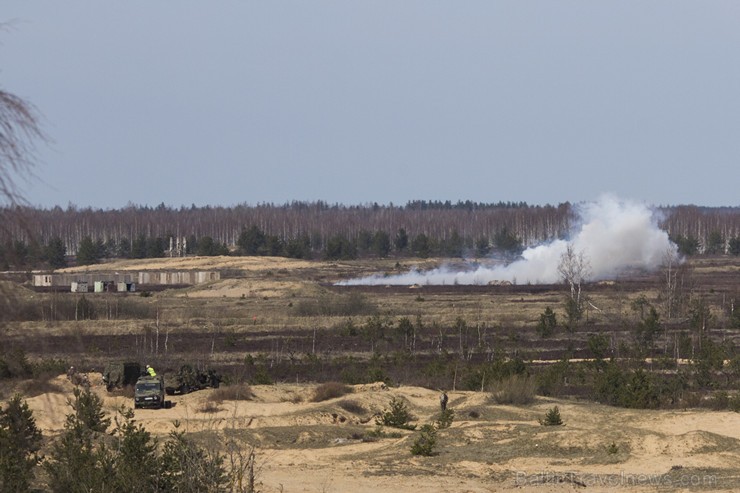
(333,445)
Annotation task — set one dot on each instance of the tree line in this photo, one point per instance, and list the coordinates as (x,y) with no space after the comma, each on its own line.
(320,230)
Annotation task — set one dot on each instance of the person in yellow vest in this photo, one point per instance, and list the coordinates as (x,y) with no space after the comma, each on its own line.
(151,371)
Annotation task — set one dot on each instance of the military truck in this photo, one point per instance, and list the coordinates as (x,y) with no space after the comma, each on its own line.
(189,379)
(118,374)
(149,392)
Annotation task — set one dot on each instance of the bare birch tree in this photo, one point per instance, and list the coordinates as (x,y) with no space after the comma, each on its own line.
(670,274)
(574,269)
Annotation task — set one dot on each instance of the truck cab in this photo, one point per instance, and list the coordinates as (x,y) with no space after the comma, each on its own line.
(149,392)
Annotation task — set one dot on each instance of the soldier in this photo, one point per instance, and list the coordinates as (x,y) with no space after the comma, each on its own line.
(443,401)
(151,371)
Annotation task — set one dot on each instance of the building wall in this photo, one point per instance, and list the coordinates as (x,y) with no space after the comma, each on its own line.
(144,277)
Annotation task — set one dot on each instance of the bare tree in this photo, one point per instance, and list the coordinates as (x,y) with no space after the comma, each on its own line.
(19,129)
(574,269)
(670,265)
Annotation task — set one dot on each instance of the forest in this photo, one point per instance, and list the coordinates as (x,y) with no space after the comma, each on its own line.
(318,230)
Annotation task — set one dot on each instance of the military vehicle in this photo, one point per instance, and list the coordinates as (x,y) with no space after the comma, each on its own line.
(118,375)
(189,379)
(149,392)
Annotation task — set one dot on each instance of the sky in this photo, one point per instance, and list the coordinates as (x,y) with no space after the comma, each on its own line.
(243,102)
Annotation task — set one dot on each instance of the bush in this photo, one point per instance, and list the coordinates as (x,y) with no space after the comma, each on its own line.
(445,419)
(633,389)
(236,392)
(261,377)
(397,416)
(425,442)
(50,367)
(14,364)
(210,407)
(547,324)
(551,381)
(516,389)
(330,390)
(552,418)
(719,401)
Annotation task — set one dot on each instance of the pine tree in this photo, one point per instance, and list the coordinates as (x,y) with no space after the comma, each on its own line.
(20,441)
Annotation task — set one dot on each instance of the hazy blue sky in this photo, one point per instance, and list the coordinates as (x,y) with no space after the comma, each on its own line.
(227,102)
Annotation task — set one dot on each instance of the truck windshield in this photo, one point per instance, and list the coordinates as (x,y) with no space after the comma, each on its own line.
(145,387)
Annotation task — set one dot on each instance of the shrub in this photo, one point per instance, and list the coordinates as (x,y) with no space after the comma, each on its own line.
(379,432)
(330,390)
(235,392)
(425,442)
(14,363)
(445,419)
(261,377)
(49,367)
(552,418)
(397,416)
(210,407)
(547,324)
(516,390)
(719,401)
(551,380)
(633,389)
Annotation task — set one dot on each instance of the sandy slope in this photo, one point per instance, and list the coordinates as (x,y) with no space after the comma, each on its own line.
(306,446)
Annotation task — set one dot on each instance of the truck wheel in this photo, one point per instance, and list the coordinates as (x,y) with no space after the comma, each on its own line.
(167,404)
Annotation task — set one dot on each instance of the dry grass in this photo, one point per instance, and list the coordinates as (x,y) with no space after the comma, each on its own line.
(210,406)
(516,389)
(235,392)
(330,390)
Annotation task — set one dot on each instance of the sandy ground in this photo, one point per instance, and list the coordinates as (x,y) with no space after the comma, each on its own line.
(305,446)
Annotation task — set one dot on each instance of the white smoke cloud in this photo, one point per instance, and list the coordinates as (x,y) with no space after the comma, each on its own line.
(613,235)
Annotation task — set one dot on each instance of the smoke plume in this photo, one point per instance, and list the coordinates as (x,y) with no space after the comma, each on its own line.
(613,235)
